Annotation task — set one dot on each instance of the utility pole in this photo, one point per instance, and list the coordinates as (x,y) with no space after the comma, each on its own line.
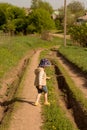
(65,22)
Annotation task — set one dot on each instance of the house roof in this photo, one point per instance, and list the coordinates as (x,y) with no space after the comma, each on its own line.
(83,17)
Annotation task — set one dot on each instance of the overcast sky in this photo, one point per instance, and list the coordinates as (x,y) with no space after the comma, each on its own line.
(55,3)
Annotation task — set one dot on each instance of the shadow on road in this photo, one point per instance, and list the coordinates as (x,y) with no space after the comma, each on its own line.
(17,99)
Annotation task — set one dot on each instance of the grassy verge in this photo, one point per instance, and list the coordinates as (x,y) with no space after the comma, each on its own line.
(76,93)
(53,115)
(12,49)
(76,55)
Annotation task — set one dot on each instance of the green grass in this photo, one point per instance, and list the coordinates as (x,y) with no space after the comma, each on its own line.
(76,55)
(54,116)
(12,49)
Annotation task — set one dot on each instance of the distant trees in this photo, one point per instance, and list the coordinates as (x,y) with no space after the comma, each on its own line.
(16,20)
(40,17)
(2,17)
(40,20)
(9,18)
(79,34)
(43,5)
(74,10)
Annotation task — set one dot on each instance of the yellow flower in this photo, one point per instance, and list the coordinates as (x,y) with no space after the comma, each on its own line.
(54,128)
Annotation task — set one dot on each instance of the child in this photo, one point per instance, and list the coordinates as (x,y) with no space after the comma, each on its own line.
(40,81)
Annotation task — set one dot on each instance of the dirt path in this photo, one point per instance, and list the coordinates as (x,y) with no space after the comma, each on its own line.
(61,35)
(29,116)
(79,80)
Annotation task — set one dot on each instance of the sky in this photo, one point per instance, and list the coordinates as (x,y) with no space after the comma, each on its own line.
(55,3)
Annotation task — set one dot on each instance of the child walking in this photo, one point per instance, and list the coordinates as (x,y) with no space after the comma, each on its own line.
(40,81)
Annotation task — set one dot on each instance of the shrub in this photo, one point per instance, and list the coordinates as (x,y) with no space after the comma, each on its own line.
(79,34)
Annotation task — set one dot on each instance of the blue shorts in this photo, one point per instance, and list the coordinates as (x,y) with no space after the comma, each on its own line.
(43,89)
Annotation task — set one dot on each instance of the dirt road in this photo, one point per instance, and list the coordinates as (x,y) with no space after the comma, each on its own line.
(29,116)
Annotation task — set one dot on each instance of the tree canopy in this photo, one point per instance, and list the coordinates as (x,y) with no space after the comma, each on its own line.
(43,5)
(75,9)
(76,6)
(16,20)
(40,20)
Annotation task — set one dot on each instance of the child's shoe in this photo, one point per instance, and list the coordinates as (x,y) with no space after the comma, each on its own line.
(36,104)
(47,103)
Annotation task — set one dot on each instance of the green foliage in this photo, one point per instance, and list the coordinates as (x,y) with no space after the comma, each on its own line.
(45,5)
(79,34)
(58,24)
(10,18)
(36,4)
(9,27)
(2,17)
(75,7)
(12,49)
(31,29)
(76,55)
(19,27)
(37,21)
(14,12)
(40,20)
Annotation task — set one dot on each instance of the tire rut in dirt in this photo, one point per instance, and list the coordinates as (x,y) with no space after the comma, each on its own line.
(73,107)
(6,105)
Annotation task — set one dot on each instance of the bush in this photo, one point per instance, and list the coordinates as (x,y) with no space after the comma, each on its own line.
(46,36)
(79,34)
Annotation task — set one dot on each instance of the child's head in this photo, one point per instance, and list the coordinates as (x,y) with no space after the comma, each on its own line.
(44,63)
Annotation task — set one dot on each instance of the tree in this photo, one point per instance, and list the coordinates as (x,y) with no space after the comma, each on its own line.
(43,5)
(74,10)
(12,19)
(58,24)
(3,13)
(34,4)
(14,12)
(79,34)
(20,25)
(40,20)
(2,17)
(76,7)
(9,27)
(46,6)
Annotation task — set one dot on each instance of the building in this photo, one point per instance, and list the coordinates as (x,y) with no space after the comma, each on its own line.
(82,19)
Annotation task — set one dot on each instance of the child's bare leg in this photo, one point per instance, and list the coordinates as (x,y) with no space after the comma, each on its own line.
(38,98)
(46,99)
